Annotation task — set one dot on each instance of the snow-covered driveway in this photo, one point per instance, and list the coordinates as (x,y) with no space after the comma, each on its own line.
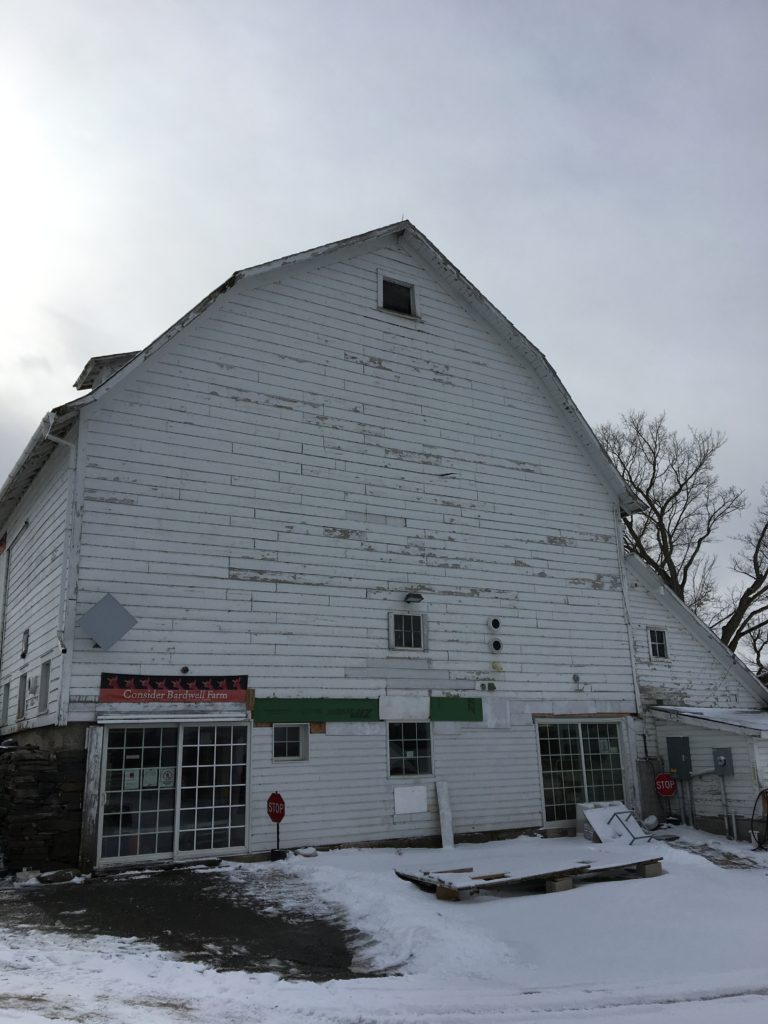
(687,946)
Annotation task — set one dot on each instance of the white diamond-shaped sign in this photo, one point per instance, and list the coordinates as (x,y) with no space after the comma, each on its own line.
(107,622)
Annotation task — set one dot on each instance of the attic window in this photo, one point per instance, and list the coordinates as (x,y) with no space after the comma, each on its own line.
(658,641)
(397,297)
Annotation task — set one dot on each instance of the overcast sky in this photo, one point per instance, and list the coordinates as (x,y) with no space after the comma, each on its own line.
(598,168)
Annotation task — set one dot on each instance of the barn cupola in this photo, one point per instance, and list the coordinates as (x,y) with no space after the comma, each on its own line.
(99,368)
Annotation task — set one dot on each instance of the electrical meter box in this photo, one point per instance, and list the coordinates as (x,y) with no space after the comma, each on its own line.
(679,756)
(723,759)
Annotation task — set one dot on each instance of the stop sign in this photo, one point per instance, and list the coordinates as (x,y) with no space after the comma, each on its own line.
(276,808)
(665,785)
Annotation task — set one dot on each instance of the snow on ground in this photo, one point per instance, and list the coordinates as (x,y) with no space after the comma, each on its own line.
(689,946)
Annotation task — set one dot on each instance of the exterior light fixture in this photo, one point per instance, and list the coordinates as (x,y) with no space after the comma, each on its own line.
(413,597)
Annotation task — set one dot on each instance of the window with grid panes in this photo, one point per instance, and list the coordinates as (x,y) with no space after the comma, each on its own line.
(139,792)
(290,742)
(580,763)
(658,640)
(213,787)
(410,748)
(407,632)
(174,789)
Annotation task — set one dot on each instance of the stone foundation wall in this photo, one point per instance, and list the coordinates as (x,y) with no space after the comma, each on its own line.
(41,794)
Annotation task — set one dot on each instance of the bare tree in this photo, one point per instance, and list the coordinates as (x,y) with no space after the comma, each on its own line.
(758,642)
(685,505)
(674,476)
(744,611)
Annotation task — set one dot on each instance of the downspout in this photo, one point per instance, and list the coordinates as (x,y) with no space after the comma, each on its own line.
(625,602)
(630,642)
(6,582)
(68,572)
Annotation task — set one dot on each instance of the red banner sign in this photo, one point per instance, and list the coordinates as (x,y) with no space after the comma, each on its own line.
(136,689)
(666,785)
(276,808)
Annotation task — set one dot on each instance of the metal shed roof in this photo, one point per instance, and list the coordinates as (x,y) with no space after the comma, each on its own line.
(740,720)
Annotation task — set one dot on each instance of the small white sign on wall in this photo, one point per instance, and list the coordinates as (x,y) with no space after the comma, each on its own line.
(404,709)
(410,799)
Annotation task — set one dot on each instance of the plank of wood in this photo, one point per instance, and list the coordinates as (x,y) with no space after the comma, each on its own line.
(649,869)
(562,884)
(505,878)
(628,860)
(446,814)
(447,892)
(421,883)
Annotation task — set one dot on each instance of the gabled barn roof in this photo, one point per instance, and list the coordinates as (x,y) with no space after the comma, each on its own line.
(59,420)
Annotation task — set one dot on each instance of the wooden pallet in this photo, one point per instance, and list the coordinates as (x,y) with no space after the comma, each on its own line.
(453,883)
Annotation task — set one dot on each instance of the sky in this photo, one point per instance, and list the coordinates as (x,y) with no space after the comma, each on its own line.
(598,168)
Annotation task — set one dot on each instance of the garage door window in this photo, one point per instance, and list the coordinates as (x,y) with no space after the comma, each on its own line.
(172,789)
(580,762)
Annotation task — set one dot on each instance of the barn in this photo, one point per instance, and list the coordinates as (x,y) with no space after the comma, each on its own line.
(340,533)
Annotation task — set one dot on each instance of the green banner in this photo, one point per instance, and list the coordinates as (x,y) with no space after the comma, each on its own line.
(456,709)
(315,709)
(357,709)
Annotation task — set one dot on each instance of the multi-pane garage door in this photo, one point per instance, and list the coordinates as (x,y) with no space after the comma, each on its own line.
(174,790)
(580,762)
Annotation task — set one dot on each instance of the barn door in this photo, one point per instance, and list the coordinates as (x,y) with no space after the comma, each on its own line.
(171,792)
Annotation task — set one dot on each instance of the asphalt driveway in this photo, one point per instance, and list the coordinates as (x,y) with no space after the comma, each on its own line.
(227,918)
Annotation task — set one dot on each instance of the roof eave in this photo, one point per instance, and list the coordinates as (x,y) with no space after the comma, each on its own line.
(33,458)
(666,712)
(628,502)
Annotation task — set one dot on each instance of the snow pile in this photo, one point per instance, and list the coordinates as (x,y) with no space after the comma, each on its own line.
(686,948)
(408,930)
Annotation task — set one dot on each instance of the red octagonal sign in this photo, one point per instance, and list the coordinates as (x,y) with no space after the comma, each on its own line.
(276,807)
(666,785)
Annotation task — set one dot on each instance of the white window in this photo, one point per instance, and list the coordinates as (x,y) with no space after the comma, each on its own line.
(397,296)
(580,762)
(20,706)
(658,641)
(410,748)
(44,686)
(4,705)
(290,742)
(407,632)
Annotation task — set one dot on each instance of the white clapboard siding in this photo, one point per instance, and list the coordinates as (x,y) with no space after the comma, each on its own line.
(692,675)
(492,779)
(37,555)
(761,762)
(263,491)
